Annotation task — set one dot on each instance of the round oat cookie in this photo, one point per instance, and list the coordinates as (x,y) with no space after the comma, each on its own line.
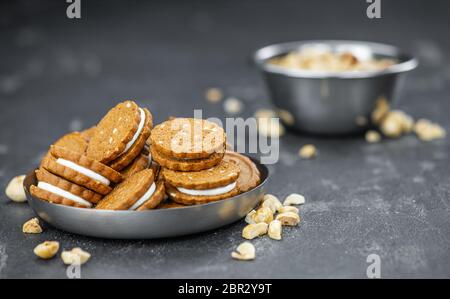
(54,198)
(86,162)
(43,175)
(73,141)
(249,176)
(138,146)
(114,132)
(140,163)
(220,175)
(186,164)
(127,193)
(188,138)
(155,199)
(186,199)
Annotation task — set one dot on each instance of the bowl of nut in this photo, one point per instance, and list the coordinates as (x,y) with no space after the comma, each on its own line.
(331,86)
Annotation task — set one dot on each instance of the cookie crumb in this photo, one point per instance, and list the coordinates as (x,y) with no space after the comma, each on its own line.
(76,256)
(214,95)
(274,231)
(288,218)
(252,231)
(307,151)
(373,136)
(15,190)
(32,227)
(47,250)
(428,131)
(294,199)
(232,106)
(244,252)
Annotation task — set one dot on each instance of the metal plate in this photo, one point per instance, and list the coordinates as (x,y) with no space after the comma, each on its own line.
(147,224)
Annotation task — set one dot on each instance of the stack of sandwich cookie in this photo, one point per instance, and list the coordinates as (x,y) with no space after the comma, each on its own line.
(138,192)
(187,144)
(198,187)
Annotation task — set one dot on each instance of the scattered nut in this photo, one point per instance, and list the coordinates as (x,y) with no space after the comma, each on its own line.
(214,95)
(289,218)
(286,117)
(427,130)
(249,217)
(76,256)
(381,110)
(373,136)
(32,227)
(15,190)
(263,214)
(252,231)
(274,230)
(232,106)
(391,126)
(294,199)
(285,209)
(307,151)
(244,252)
(270,127)
(265,113)
(271,202)
(46,250)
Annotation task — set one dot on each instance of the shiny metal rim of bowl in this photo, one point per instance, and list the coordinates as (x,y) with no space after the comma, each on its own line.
(149,224)
(406,62)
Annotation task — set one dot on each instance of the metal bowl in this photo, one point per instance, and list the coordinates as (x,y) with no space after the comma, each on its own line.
(332,102)
(147,224)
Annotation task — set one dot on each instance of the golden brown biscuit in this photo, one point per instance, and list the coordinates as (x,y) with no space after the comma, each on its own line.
(114,132)
(220,175)
(155,199)
(187,199)
(129,192)
(88,133)
(188,138)
(169,204)
(186,164)
(140,163)
(138,146)
(249,176)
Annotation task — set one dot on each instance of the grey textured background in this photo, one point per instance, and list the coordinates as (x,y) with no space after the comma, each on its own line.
(391,199)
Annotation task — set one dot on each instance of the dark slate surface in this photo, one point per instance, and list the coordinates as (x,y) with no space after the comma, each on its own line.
(391,199)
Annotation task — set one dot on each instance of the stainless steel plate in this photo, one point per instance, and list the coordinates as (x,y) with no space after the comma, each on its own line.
(147,224)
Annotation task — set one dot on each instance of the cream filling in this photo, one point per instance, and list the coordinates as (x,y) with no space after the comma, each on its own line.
(144,197)
(58,191)
(87,172)
(138,132)
(208,192)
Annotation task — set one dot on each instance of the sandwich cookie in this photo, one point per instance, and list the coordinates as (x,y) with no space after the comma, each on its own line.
(133,193)
(73,141)
(249,176)
(137,145)
(81,170)
(187,144)
(120,132)
(190,188)
(169,204)
(57,190)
